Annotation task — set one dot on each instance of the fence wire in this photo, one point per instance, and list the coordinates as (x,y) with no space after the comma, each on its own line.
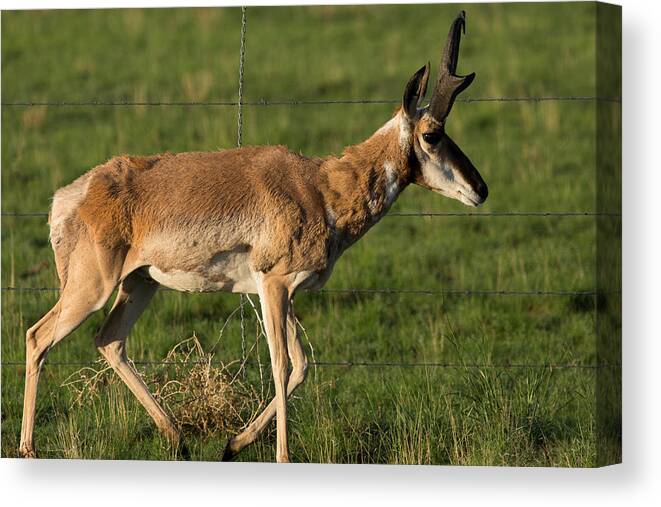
(28,214)
(391,290)
(239,143)
(242,61)
(293,102)
(264,102)
(352,364)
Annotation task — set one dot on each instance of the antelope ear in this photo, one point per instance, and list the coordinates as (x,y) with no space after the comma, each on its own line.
(415,91)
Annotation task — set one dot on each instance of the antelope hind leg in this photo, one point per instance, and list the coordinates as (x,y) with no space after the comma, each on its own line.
(133,296)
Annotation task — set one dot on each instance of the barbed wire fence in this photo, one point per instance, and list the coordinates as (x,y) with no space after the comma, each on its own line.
(292,102)
(239,143)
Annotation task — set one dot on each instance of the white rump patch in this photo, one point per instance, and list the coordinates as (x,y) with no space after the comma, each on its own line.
(65,203)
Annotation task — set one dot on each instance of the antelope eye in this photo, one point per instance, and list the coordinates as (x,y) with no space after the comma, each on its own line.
(432,137)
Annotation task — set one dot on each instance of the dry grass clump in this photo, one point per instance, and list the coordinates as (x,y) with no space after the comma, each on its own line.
(86,384)
(204,396)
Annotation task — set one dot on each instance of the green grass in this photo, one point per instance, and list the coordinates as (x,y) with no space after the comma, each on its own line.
(534,156)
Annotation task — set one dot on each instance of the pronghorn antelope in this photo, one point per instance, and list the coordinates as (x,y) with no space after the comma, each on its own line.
(249,220)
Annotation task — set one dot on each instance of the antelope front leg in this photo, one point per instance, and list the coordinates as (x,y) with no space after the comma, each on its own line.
(274,299)
(299,369)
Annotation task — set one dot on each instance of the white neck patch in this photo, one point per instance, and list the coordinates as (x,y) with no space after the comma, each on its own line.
(382,197)
(390,125)
(404,134)
(392,186)
(402,126)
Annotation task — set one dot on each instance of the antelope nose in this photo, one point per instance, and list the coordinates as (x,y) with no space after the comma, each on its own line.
(482,190)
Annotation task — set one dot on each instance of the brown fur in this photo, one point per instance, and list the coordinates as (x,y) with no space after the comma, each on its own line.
(348,182)
(254,219)
(283,196)
(192,212)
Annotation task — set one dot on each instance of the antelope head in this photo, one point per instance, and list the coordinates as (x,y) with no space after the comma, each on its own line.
(441,165)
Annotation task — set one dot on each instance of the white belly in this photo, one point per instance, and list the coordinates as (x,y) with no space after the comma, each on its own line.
(225,271)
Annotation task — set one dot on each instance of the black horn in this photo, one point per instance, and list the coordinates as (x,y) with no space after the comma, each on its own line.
(450,85)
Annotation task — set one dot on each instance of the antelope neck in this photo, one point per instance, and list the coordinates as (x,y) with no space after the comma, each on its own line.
(360,186)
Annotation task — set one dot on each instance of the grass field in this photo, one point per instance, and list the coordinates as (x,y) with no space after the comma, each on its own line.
(535,156)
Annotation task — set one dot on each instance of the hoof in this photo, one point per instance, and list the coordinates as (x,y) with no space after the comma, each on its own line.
(228,453)
(27,452)
(183,451)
